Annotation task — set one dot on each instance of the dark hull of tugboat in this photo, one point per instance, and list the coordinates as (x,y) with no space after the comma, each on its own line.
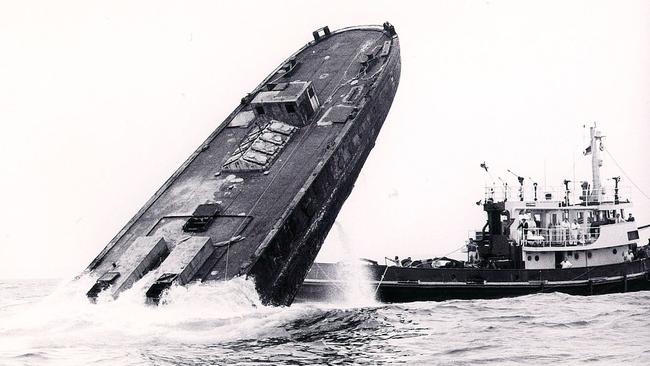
(399,284)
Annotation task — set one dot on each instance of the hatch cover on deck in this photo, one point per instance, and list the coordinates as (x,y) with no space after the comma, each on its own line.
(260,147)
(201,218)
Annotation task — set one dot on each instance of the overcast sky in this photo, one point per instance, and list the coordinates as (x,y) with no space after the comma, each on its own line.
(101,101)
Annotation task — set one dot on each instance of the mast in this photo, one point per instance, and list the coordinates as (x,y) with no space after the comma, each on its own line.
(595,147)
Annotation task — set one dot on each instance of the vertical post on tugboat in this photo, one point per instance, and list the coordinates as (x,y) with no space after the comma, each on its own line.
(520,179)
(566,192)
(594,148)
(616,180)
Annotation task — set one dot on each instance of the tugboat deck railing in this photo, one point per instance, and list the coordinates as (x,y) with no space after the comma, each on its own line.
(559,237)
(577,196)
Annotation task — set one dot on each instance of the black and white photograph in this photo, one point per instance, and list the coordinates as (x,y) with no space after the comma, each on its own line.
(324,182)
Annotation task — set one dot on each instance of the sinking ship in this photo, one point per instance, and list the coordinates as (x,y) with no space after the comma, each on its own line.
(579,240)
(259,196)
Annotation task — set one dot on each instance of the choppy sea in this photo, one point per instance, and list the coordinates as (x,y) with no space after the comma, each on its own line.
(48,322)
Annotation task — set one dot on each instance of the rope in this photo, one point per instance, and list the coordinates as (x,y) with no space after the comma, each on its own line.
(626,176)
(381,280)
(455,250)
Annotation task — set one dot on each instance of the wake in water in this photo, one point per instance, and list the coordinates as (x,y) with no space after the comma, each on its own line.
(225,323)
(65,328)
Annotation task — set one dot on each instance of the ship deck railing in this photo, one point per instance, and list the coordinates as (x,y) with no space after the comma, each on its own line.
(577,195)
(558,236)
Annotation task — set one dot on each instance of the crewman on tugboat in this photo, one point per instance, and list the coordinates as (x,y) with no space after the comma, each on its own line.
(564,229)
(630,218)
(523,225)
(642,253)
(407,262)
(574,232)
(566,264)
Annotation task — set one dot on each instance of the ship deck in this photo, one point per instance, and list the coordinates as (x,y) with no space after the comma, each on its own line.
(252,203)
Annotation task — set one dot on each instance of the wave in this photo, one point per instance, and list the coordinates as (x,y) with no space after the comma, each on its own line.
(225,322)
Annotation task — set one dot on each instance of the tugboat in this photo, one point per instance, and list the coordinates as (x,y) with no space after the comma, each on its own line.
(580,244)
(259,196)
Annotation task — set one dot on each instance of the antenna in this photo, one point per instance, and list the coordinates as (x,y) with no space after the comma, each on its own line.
(521,184)
(505,189)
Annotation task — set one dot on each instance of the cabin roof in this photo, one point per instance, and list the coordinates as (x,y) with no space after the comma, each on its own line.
(282,93)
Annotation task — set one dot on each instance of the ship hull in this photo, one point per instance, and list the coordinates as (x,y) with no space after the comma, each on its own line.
(333,183)
(439,284)
(259,196)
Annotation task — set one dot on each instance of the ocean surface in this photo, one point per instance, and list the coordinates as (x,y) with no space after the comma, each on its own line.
(47,322)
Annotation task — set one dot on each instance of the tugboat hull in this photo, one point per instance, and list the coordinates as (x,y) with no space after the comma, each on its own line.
(398,284)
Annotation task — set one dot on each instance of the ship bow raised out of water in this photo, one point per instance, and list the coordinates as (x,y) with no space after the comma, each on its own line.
(259,196)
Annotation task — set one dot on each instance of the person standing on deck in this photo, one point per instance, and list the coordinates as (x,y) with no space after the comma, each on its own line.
(574,232)
(552,237)
(523,225)
(618,219)
(630,218)
(564,230)
(532,227)
(628,256)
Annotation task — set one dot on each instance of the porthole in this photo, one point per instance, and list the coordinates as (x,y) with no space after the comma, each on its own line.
(536,258)
(576,256)
(589,255)
(530,258)
(614,251)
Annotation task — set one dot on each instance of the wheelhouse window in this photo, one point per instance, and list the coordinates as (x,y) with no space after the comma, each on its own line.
(633,235)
